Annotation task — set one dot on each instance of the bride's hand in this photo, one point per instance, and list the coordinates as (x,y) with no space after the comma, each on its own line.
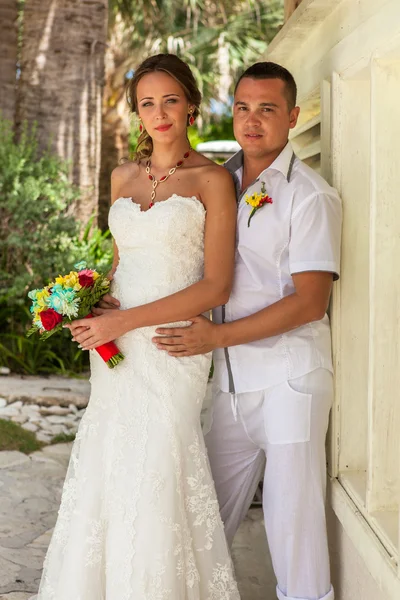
(90,333)
(107,302)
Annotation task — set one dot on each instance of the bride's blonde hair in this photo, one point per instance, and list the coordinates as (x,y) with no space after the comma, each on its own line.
(180,71)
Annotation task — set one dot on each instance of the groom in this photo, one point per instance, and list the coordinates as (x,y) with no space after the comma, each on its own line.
(272,348)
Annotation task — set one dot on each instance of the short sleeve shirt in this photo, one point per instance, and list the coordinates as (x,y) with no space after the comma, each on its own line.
(299,231)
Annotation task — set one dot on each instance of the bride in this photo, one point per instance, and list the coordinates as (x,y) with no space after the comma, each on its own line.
(139,518)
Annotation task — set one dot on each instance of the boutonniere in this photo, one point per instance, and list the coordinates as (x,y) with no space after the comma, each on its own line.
(257,200)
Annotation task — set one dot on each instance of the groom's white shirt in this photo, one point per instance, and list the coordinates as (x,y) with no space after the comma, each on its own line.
(300,231)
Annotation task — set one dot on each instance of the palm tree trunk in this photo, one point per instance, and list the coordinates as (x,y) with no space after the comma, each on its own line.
(114,147)
(290,7)
(62,73)
(8,54)
(115,121)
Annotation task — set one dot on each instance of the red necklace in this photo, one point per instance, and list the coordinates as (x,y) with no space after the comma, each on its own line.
(155,182)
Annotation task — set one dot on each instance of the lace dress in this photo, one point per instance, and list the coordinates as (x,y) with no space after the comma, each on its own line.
(139,517)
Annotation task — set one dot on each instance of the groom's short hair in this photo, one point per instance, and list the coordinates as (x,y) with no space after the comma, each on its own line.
(270,70)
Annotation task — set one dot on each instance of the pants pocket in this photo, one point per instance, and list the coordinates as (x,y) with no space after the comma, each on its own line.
(287,415)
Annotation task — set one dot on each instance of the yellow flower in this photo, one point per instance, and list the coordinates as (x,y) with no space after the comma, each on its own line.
(41,298)
(257,201)
(36,311)
(71,280)
(95,275)
(60,280)
(253,200)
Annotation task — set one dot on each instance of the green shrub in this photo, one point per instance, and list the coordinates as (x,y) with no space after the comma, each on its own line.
(57,355)
(39,239)
(37,235)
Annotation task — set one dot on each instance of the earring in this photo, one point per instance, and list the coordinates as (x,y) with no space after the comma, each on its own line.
(191,119)
(140,128)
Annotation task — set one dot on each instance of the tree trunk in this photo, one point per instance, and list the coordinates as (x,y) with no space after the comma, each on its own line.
(62,73)
(114,147)
(290,7)
(116,116)
(8,54)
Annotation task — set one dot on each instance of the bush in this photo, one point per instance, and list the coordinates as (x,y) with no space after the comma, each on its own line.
(37,235)
(32,356)
(220,128)
(39,238)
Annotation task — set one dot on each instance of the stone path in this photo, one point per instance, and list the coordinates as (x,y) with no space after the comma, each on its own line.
(45,406)
(30,488)
(47,391)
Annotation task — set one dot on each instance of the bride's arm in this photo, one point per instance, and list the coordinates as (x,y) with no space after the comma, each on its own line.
(218,196)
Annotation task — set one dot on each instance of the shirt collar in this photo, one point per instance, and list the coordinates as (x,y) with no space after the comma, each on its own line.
(281,163)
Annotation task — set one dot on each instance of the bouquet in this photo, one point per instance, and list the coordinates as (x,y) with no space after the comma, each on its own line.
(68,297)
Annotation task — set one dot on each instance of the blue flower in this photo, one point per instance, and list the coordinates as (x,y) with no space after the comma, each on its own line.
(80,265)
(63,301)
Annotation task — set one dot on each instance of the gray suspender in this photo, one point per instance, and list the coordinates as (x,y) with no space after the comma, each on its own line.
(290,169)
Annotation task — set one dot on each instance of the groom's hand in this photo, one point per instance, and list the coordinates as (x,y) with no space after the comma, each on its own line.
(199,338)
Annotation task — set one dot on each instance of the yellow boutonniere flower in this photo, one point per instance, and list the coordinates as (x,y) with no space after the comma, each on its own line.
(257,200)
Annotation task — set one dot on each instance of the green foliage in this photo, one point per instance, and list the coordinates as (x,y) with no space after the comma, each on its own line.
(22,355)
(15,437)
(63,438)
(95,248)
(215,38)
(218,128)
(36,232)
(39,239)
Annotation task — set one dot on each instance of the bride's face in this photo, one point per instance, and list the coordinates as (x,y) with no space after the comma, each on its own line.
(162,106)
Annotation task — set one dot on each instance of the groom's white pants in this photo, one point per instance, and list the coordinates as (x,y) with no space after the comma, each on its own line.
(279,431)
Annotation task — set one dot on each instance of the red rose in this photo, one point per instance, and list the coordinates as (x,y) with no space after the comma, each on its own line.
(86,278)
(50,318)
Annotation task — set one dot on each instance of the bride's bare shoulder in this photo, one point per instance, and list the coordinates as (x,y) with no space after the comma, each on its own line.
(125,171)
(121,179)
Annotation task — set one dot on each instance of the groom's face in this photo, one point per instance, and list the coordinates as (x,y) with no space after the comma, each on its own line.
(262,116)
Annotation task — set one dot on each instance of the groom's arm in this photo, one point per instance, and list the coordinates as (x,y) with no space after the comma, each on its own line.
(308,303)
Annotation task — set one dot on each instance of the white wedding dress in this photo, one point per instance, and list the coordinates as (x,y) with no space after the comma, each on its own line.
(139,517)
